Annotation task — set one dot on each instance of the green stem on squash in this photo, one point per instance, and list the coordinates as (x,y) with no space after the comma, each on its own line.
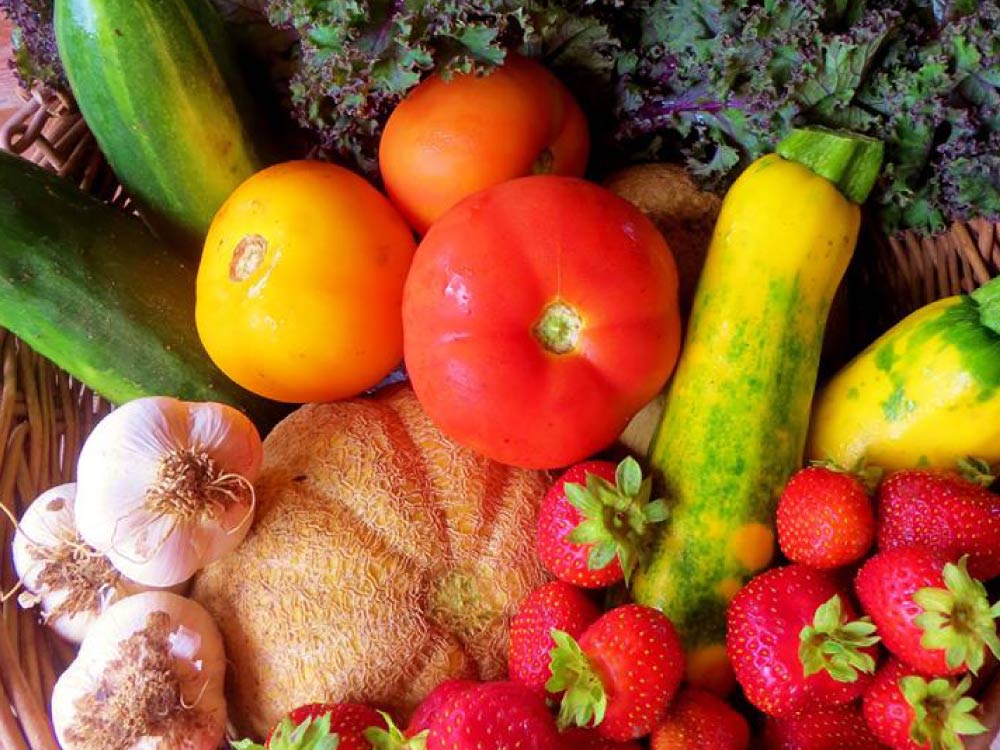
(850,161)
(988,298)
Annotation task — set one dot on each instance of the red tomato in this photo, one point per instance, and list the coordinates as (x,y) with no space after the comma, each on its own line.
(538,317)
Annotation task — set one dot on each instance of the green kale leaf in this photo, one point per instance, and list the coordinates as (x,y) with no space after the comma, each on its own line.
(720,82)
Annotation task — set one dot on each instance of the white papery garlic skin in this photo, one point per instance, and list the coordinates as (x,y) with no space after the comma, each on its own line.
(164,487)
(71,581)
(149,676)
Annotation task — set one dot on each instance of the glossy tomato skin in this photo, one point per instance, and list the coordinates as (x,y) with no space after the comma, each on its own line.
(450,138)
(481,281)
(301,281)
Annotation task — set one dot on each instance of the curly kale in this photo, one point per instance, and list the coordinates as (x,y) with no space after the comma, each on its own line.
(720,81)
(36,58)
(33,41)
(713,82)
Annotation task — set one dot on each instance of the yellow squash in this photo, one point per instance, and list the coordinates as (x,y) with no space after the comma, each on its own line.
(737,412)
(927,393)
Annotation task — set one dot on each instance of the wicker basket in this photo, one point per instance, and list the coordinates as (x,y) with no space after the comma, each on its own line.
(45,415)
(894,276)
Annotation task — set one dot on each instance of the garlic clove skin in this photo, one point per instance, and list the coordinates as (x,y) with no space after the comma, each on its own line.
(72,589)
(165,486)
(107,681)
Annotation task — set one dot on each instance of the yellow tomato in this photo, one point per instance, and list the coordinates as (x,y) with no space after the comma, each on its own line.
(301,281)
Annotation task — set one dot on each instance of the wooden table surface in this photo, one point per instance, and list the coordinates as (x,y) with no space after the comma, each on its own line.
(9,100)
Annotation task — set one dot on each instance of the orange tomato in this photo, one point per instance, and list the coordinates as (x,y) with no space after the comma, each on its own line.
(450,138)
(301,281)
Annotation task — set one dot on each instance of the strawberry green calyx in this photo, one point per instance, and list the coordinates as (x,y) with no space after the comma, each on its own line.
(392,737)
(617,517)
(311,734)
(830,644)
(976,471)
(942,712)
(958,618)
(585,701)
(868,475)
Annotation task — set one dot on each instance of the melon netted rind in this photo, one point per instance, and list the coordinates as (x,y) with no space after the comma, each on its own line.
(384,558)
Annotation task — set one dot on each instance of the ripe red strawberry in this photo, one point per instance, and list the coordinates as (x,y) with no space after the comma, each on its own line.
(621,675)
(321,726)
(494,716)
(825,518)
(593,523)
(578,738)
(699,720)
(795,644)
(554,606)
(415,736)
(945,512)
(838,728)
(929,612)
(908,711)
(435,702)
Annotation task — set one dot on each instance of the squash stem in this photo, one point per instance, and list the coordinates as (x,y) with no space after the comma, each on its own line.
(851,162)
(988,298)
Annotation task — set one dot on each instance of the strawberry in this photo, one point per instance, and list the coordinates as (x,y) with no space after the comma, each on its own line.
(795,644)
(554,606)
(930,613)
(909,711)
(415,736)
(494,716)
(837,728)
(594,522)
(321,726)
(579,738)
(621,675)
(943,511)
(825,518)
(435,701)
(699,720)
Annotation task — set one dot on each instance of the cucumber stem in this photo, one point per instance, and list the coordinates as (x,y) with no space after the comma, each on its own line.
(988,298)
(850,161)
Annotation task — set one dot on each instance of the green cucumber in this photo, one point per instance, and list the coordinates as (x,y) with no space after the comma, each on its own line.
(157,85)
(95,292)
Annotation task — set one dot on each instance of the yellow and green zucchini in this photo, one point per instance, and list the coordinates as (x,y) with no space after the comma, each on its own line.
(927,393)
(737,411)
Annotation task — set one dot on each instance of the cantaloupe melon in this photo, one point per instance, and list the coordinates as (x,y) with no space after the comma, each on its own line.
(384,558)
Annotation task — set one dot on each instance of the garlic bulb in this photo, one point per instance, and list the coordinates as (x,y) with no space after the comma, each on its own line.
(149,676)
(70,580)
(164,487)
